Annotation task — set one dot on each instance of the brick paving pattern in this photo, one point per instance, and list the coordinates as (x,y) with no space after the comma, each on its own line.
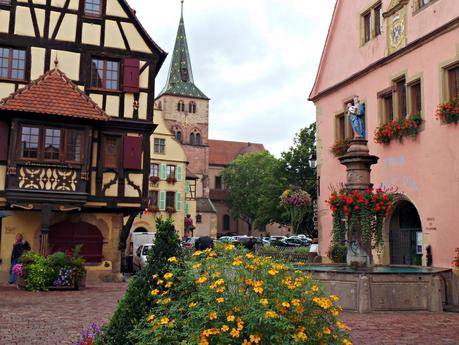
(54,317)
(404,328)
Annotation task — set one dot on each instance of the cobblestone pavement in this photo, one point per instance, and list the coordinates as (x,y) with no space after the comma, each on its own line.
(404,328)
(54,317)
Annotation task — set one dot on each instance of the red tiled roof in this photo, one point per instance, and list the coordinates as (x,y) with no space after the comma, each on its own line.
(53,93)
(223,152)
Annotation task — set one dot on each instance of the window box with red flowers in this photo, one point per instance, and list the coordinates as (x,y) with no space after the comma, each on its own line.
(171,180)
(153,209)
(154,179)
(448,112)
(340,147)
(171,210)
(397,129)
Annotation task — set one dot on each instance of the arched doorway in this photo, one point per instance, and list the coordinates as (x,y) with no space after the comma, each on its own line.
(405,235)
(65,236)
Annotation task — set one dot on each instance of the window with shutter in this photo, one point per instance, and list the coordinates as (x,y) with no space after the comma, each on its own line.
(162,200)
(179,173)
(133,153)
(187,187)
(178,203)
(131,75)
(4,135)
(162,172)
(187,208)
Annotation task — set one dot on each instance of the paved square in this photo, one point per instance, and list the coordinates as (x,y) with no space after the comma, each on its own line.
(56,318)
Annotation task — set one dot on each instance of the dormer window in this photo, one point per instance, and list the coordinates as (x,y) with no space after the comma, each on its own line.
(93,8)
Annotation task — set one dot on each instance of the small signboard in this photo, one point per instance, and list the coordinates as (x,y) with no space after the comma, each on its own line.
(419,243)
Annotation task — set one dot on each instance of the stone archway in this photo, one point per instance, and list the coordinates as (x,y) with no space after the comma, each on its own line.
(405,235)
(64,236)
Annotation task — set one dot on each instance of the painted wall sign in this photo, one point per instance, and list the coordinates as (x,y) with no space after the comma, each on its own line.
(430,221)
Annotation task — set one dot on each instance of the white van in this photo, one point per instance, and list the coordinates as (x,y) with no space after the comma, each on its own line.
(140,238)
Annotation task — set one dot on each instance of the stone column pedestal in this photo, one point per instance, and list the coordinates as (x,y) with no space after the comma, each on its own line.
(358,162)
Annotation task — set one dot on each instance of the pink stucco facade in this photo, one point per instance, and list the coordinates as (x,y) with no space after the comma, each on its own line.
(426,168)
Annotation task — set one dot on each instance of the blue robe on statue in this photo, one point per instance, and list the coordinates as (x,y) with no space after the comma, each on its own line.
(357,120)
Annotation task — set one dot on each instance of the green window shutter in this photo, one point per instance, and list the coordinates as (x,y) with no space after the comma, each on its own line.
(162,172)
(187,187)
(187,208)
(162,200)
(178,202)
(179,172)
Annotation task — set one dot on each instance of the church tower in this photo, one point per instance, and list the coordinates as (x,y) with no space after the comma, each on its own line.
(186,111)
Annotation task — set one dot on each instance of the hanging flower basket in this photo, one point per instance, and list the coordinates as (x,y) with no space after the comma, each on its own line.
(368,209)
(296,201)
(398,129)
(340,147)
(448,112)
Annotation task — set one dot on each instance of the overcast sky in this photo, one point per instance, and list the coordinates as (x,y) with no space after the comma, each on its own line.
(255,59)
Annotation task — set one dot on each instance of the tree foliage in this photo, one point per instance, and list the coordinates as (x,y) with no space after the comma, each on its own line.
(253,183)
(296,169)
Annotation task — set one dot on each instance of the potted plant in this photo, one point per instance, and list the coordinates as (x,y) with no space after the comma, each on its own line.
(153,209)
(340,147)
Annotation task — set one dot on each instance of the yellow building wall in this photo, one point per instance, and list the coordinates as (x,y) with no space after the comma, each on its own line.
(91,34)
(28,223)
(37,63)
(113,38)
(67,30)
(69,63)
(114,9)
(23,22)
(4,20)
(6,89)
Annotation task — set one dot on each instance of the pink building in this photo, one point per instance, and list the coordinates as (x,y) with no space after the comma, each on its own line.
(401,58)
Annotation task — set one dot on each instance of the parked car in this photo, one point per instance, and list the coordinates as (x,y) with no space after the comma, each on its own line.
(190,242)
(226,239)
(140,258)
(277,238)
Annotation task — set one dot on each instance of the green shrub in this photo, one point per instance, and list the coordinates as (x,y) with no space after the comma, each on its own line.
(338,252)
(40,273)
(235,297)
(137,301)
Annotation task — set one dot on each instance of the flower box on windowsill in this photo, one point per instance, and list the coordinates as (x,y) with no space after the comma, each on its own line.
(153,209)
(340,147)
(171,210)
(448,112)
(397,129)
(171,180)
(154,179)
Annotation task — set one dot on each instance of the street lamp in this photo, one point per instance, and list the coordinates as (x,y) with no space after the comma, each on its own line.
(313,160)
(313,166)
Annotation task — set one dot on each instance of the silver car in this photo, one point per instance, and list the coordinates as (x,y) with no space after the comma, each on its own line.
(140,258)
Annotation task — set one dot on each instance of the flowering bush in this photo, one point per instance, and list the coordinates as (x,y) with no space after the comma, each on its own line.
(368,209)
(19,270)
(340,147)
(91,336)
(235,297)
(64,277)
(448,112)
(296,202)
(456,259)
(398,129)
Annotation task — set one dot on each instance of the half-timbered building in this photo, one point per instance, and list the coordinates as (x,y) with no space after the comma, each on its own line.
(77,81)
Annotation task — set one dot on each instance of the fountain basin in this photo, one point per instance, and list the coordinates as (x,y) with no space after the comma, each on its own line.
(386,288)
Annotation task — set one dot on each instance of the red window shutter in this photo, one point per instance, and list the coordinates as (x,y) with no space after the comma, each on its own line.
(4,140)
(131,75)
(133,153)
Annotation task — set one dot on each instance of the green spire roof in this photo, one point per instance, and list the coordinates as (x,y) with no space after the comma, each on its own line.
(180,79)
